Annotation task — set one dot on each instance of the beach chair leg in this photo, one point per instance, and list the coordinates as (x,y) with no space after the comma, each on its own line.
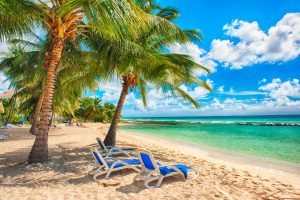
(159,181)
(197,173)
(111,169)
(142,175)
(98,174)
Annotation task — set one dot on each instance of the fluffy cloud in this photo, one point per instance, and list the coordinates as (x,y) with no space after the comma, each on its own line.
(281,43)
(282,92)
(227,104)
(111,91)
(248,44)
(281,96)
(278,89)
(199,55)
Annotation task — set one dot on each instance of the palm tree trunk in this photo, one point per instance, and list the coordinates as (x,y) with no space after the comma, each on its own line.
(39,151)
(37,109)
(110,138)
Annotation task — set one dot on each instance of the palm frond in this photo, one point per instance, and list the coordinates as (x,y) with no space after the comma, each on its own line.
(187,97)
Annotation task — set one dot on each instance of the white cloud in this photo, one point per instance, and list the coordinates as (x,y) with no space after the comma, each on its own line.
(221,89)
(111,91)
(227,104)
(281,43)
(282,92)
(199,55)
(232,92)
(262,81)
(280,97)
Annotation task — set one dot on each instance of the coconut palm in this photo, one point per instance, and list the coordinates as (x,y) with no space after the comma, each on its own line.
(165,72)
(62,21)
(90,108)
(167,77)
(20,68)
(24,68)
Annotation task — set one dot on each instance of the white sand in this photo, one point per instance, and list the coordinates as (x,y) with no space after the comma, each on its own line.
(66,175)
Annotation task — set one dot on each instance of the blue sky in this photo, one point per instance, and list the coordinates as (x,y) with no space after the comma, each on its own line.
(253,50)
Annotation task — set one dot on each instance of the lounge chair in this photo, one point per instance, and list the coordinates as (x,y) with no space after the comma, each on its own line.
(154,171)
(112,151)
(109,164)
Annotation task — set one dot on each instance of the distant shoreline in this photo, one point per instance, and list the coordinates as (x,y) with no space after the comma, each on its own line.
(132,122)
(213,116)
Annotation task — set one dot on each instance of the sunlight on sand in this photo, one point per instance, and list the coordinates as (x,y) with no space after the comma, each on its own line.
(66,175)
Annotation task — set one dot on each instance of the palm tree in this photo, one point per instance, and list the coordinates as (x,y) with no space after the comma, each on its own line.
(166,71)
(23,66)
(62,21)
(20,68)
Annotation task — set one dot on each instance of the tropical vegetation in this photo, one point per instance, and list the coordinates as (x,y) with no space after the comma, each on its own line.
(93,110)
(90,110)
(82,43)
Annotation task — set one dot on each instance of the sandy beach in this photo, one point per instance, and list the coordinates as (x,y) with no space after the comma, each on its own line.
(67,176)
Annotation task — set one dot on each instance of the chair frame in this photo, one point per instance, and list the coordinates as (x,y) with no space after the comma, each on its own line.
(108,151)
(101,169)
(149,176)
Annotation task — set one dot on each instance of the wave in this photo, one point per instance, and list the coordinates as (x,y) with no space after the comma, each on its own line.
(182,122)
(267,124)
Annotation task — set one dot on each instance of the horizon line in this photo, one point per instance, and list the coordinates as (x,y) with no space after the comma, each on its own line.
(295,115)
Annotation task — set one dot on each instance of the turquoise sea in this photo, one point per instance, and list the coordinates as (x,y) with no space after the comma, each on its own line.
(275,137)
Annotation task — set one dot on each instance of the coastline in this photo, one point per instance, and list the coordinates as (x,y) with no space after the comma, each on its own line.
(288,171)
(66,175)
(272,141)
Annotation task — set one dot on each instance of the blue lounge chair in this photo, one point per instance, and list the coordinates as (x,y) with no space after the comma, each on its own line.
(109,164)
(154,171)
(112,151)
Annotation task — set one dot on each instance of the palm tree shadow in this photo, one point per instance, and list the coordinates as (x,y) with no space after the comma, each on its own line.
(80,180)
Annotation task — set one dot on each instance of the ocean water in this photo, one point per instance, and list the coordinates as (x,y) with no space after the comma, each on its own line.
(276,137)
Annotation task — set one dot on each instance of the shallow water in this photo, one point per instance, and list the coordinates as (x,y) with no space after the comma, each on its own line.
(267,136)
